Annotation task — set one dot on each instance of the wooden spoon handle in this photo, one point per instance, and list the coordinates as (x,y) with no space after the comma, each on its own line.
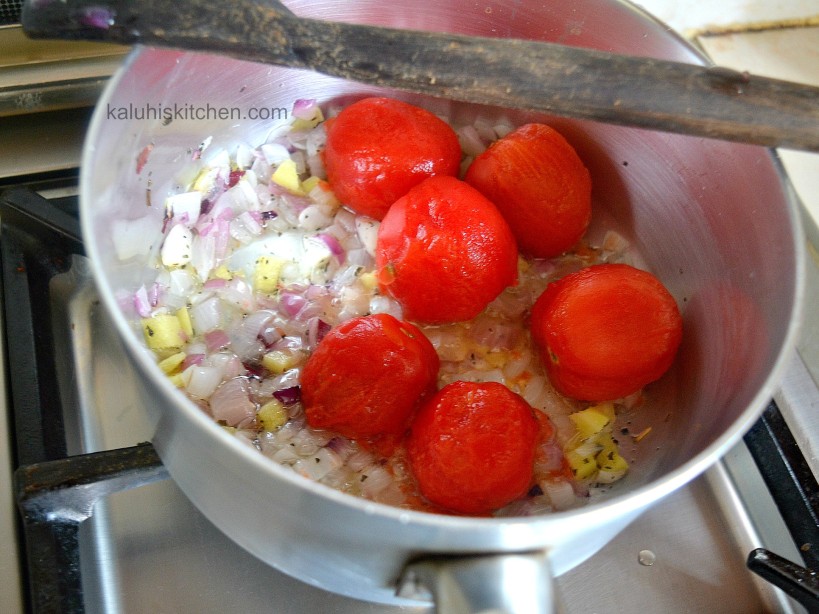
(568,81)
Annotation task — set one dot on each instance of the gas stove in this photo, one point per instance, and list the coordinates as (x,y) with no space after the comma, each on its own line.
(100,527)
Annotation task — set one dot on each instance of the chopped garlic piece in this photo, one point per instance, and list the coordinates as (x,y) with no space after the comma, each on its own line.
(176,250)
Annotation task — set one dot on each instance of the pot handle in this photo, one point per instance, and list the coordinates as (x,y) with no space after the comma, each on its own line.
(511,583)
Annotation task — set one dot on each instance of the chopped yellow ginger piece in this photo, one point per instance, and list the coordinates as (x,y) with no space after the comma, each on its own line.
(308,124)
(593,420)
(184,318)
(163,331)
(279,361)
(592,453)
(496,359)
(177,380)
(368,280)
(606,442)
(310,183)
(170,364)
(612,461)
(272,415)
(266,275)
(287,177)
(222,272)
(583,467)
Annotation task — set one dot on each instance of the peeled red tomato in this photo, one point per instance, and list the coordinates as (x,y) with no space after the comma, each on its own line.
(444,252)
(606,331)
(366,378)
(540,185)
(472,447)
(379,148)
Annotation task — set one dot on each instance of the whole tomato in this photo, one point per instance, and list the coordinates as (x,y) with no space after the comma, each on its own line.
(444,252)
(536,179)
(378,148)
(471,447)
(366,378)
(606,331)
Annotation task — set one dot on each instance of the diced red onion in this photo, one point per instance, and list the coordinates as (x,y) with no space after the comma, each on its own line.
(141,302)
(231,403)
(550,458)
(288,396)
(342,446)
(305,108)
(244,337)
(333,245)
(291,303)
(214,283)
(192,359)
(216,340)
(316,330)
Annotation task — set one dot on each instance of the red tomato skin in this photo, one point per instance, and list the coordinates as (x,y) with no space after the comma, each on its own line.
(444,252)
(367,376)
(606,331)
(379,148)
(540,185)
(471,447)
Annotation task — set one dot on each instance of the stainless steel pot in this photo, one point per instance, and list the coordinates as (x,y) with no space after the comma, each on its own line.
(715,221)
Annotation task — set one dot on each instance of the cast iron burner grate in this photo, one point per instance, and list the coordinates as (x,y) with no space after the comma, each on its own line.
(56,492)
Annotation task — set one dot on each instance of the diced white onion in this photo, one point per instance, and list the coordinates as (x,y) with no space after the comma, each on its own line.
(560,493)
(203,381)
(184,208)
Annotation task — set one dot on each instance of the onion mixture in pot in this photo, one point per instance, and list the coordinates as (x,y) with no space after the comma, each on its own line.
(259,260)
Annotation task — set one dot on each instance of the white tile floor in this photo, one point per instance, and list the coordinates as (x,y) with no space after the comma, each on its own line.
(785,53)
(688,16)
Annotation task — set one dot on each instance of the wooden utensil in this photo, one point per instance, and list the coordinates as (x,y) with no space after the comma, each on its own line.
(560,80)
